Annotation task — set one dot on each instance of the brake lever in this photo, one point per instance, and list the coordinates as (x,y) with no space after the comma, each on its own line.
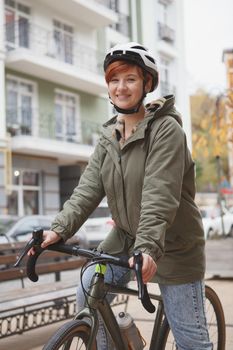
(35,241)
(143,294)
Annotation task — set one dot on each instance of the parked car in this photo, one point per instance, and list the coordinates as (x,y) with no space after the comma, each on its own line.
(214,223)
(19,229)
(224,224)
(208,219)
(98,225)
(230,210)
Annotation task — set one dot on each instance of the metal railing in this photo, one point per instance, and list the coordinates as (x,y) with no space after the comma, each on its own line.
(123,25)
(43,42)
(43,125)
(166,2)
(166,33)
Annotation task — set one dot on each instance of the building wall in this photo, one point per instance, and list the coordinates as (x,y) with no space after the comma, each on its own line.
(93,109)
(173,52)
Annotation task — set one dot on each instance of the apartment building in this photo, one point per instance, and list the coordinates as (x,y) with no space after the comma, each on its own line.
(53,96)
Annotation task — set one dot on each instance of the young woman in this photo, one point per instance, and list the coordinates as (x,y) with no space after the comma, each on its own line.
(143,165)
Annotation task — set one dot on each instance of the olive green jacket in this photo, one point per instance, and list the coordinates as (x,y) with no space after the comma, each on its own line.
(150,188)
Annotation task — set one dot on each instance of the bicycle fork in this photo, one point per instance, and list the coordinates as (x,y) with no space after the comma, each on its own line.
(157,324)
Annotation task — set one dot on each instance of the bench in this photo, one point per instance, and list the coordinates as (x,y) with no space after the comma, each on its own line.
(31,305)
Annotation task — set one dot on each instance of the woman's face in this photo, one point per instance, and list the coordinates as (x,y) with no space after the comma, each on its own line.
(126,88)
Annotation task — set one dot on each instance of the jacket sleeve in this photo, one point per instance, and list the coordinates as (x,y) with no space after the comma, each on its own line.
(162,185)
(84,199)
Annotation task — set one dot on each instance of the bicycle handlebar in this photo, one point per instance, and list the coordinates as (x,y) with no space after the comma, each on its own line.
(37,239)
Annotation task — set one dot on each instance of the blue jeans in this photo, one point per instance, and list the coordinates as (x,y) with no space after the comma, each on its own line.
(184,308)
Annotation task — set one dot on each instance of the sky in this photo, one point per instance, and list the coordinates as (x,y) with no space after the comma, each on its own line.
(208,31)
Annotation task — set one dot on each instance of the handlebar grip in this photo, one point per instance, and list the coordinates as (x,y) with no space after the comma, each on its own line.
(36,240)
(31,265)
(143,294)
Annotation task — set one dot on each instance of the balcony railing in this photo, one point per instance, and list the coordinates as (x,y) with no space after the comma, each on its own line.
(111,4)
(43,125)
(166,33)
(166,2)
(123,25)
(43,42)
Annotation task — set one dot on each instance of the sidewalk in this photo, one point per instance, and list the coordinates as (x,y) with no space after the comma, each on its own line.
(219,265)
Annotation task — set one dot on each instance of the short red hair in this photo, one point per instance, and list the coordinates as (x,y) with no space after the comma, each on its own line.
(119,67)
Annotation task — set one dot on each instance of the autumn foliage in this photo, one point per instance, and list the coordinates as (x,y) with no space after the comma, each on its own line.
(212,132)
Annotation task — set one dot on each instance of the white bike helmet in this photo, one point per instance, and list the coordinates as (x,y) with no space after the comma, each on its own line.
(135,53)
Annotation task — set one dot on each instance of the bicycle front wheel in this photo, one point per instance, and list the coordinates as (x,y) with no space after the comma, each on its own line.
(73,335)
(215,322)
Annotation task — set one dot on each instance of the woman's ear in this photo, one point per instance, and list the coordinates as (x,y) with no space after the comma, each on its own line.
(148,85)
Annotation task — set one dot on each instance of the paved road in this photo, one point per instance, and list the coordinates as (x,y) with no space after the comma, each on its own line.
(219,266)
(219,256)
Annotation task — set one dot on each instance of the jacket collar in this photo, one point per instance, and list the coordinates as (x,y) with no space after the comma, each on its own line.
(154,109)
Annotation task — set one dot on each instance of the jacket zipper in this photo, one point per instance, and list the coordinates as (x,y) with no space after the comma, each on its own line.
(124,195)
(122,179)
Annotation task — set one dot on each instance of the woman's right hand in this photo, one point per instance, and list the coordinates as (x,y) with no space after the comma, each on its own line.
(49,237)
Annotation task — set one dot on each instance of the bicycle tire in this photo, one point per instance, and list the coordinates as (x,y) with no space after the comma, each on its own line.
(215,322)
(72,335)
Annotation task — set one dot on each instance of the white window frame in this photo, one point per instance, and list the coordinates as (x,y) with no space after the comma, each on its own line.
(62,55)
(78,131)
(20,188)
(165,68)
(34,96)
(18,14)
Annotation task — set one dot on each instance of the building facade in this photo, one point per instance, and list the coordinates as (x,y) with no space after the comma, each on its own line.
(53,96)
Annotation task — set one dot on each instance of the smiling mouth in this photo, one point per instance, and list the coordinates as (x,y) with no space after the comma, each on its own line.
(123,97)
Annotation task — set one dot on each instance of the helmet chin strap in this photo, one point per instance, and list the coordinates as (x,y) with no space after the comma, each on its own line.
(131,110)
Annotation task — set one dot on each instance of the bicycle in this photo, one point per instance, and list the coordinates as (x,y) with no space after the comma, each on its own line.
(80,333)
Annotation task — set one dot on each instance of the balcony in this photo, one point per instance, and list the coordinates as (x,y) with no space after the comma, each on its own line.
(166,2)
(37,133)
(123,25)
(93,13)
(166,33)
(62,60)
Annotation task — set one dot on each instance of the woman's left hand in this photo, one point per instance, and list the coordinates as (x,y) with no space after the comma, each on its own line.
(149,267)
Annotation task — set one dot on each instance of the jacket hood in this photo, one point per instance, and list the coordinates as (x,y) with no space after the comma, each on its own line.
(164,106)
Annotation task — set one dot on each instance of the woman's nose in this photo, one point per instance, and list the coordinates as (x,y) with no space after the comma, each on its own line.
(121,84)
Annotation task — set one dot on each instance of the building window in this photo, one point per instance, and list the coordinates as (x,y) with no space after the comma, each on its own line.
(165,84)
(67,119)
(25,196)
(20,110)
(17,24)
(63,41)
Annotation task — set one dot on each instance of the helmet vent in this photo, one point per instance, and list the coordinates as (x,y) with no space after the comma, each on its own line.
(139,48)
(133,54)
(150,58)
(117,52)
